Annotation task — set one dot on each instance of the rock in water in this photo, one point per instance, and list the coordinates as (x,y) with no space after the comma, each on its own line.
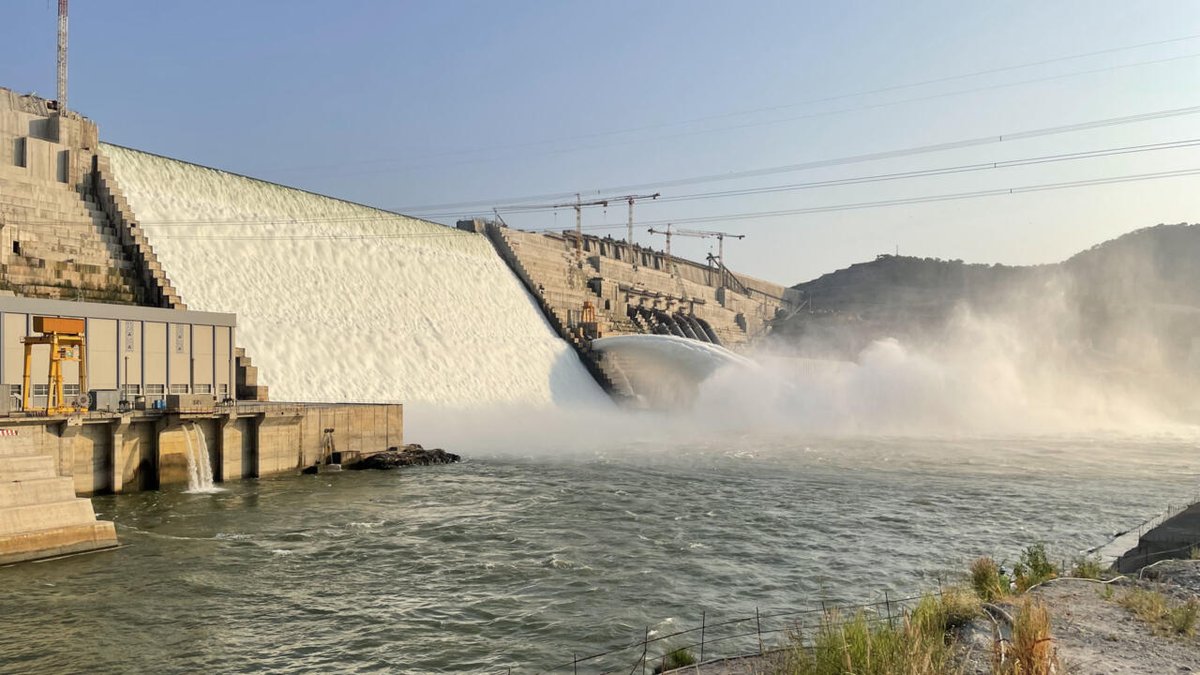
(410,455)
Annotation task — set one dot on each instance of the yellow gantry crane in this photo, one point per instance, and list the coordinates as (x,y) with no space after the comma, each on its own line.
(67,343)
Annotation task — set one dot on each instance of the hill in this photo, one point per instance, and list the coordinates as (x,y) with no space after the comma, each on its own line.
(1125,312)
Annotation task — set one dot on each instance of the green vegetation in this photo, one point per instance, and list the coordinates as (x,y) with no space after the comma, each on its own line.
(1033,568)
(677,658)
(1164,615)
(1087,567)
(916,644)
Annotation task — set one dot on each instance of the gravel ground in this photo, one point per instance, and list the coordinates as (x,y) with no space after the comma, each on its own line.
(1094,635)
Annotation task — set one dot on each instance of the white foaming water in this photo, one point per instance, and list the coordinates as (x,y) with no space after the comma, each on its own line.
(200,477)
(696,359)
(338,302)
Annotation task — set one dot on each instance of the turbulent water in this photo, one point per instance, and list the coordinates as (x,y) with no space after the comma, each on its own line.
(517,561)
(339,302)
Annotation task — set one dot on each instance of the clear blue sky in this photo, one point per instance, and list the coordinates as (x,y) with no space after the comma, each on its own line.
(407,104)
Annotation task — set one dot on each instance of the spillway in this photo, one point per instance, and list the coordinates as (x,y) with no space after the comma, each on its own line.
(339,302)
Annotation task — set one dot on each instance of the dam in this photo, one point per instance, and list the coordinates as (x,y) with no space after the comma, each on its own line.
(271,324)
(341,302)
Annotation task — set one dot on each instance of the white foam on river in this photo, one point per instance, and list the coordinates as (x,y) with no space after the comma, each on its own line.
(338,302)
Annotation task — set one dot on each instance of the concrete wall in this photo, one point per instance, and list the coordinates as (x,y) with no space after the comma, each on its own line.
(144,450)
(615,277)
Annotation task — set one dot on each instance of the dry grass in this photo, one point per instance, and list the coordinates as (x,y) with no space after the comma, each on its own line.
(1031,651)
(1164,615)
(986,580)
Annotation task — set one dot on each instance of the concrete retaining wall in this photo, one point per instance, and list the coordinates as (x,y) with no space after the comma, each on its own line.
(143,450)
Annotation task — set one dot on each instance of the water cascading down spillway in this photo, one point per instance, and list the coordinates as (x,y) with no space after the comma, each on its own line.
(200,473)
(667,371)
(338,302)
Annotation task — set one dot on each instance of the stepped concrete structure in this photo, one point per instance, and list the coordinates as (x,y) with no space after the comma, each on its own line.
(57,241)
(40,516)
(605,287)
(67,233)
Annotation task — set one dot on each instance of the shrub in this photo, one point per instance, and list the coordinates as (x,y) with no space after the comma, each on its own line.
(986,579)
(1181,619)
(1160,613)
(676,658)
(951,610)
(1087,567)
(1033,568)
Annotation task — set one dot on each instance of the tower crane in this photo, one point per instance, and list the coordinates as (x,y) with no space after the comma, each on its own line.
(62,56)
(577,204)
(712,233)
(700,234)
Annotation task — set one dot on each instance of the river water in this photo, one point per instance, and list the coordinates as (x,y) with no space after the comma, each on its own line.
(510,561)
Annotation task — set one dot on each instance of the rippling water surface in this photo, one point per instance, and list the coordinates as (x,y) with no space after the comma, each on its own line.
(519,562)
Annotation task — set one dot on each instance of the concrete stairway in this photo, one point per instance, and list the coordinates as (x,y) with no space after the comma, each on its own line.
(246,374)
(58,244)
(40,516)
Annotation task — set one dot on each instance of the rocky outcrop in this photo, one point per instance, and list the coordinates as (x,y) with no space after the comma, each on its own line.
(410,455)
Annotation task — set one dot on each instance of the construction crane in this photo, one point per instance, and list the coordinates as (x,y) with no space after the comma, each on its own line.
(701,234)
(630,199)
(704,234)
(577,204)
(62,56)
(669,234)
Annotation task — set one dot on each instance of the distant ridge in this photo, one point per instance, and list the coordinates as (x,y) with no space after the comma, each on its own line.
(1136,297)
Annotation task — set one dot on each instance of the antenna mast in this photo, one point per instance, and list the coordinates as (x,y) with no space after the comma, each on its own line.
(62,56)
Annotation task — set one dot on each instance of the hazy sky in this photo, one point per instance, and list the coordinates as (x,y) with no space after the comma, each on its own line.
(409,104)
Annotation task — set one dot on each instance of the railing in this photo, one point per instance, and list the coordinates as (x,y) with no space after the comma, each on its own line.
(750,636)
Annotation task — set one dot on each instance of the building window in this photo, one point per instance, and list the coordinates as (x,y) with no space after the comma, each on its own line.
(41,390)
(156,390)
(70,391)
(202,389)
(223,390)
(179,389)
(131,390)
(14,390)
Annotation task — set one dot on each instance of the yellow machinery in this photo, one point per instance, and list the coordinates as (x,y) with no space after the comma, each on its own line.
(67,343)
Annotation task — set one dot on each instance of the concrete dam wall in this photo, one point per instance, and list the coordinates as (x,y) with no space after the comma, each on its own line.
(339,302)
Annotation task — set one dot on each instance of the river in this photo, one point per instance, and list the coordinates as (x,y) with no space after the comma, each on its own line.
(523,561)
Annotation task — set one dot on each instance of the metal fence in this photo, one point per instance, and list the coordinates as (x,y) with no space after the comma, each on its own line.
(730,638)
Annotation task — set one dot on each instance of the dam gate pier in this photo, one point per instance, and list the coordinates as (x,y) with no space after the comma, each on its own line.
(51,464)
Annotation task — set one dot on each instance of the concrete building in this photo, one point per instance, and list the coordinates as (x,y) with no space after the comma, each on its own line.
(141,353)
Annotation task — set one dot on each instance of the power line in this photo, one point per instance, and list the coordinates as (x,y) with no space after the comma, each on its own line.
(754,111)
(1041,187)
(830,162)
(388,219)
(814,115)
(936,198)
(919,173)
